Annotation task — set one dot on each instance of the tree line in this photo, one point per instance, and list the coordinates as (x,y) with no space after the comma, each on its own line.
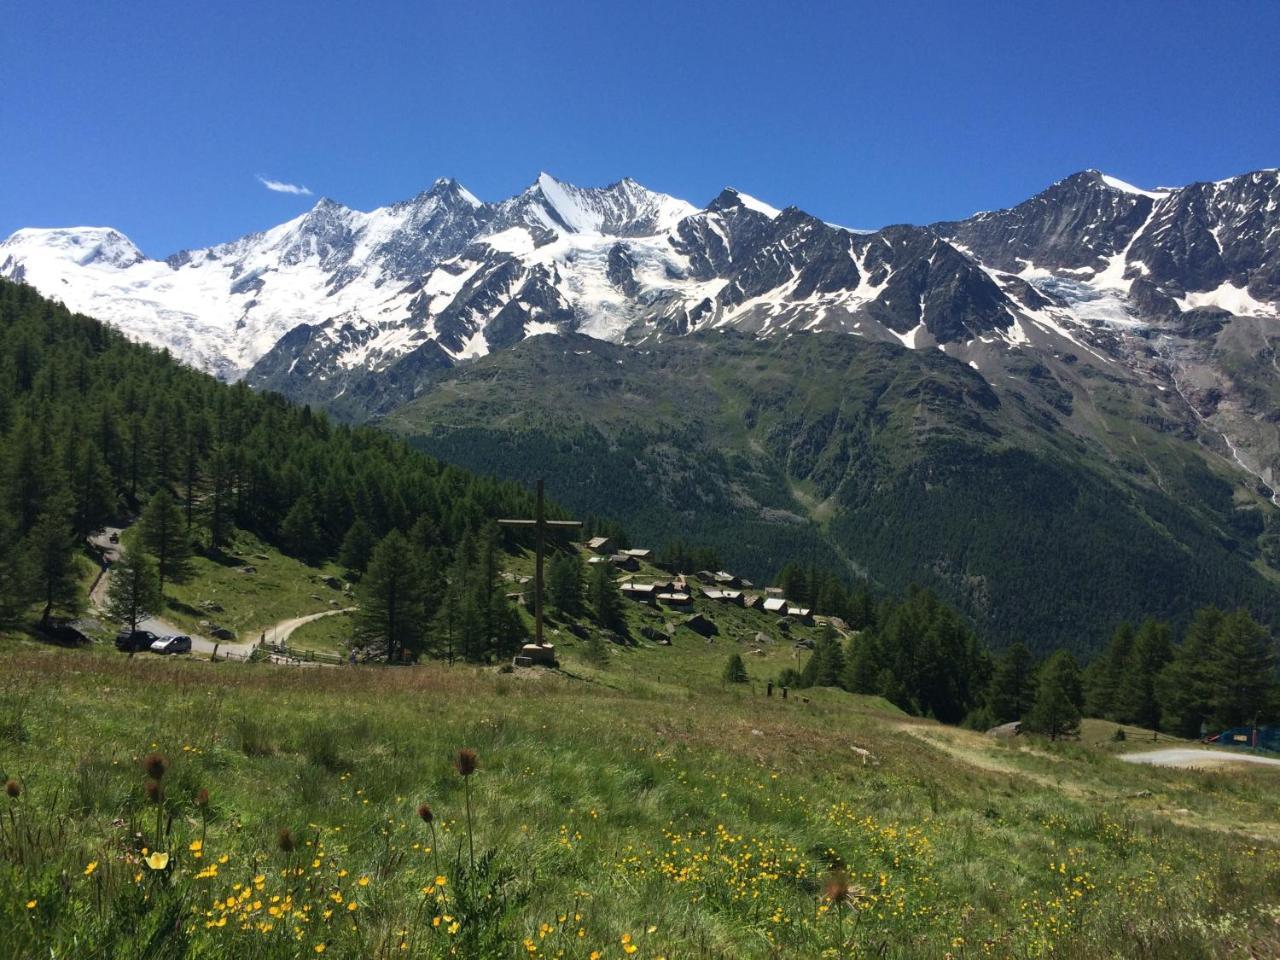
(921,656)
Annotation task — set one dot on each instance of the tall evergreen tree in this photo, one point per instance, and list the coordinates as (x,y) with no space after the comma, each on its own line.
(301,532)
(51,560)
(391,616)
(134,591)
(1244,677)
(825,666)
(163,532)
(863,661)
(1059,698)
(564,584)
(14,588)
(1185,688)
(1012,688)
(1105,676)
(606,600)
(1152,650)
(357,546)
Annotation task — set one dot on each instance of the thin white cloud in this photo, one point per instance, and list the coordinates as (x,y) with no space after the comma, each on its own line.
(279,186)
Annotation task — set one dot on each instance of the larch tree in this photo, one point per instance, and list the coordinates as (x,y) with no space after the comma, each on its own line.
(606,600)
(134,592)
(49,549)
(1186,686)
(1058,702)
(391,614)
(163,534)
(1244,678)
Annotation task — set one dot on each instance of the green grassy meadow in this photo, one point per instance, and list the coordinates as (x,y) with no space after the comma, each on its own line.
(626,807)
(279,587)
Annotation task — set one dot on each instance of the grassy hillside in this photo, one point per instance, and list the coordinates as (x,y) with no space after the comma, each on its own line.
(1045,514)
(631,809)
(249,587)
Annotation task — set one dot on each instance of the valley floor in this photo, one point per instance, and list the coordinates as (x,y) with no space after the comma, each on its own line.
(614,815)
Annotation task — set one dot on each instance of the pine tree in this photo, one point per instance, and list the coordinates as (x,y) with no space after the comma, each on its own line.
(564,584)
(862,664)
(221,490)
(300,531)
(1059,699)
(163,532)
(606,600)
(1137,690)
(735,671)
(391,614)
(1185,687)
(1244,678)
(91,488)
(825,667)
(14,586)
(49,550)
(357,546)
(1104,679)
(134,591)
(1012,688)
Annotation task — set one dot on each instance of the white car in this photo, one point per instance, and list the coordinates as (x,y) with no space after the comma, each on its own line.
(171,645)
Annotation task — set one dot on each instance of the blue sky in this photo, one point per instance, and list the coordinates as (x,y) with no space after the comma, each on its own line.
(159,119)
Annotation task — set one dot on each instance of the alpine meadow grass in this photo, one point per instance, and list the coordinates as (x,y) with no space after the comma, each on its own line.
(169,809)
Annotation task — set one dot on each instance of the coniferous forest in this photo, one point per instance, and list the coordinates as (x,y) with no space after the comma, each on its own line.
(95,428)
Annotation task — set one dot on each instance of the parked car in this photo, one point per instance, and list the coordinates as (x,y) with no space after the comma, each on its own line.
(129,641)
(171,645)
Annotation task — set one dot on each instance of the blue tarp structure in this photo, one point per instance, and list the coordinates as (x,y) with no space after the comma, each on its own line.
(1264,738)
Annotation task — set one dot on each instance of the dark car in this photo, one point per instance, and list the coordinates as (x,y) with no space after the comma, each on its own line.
(129,641)
(172,645)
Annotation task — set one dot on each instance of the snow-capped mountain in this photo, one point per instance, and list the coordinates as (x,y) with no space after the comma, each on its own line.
(1176,287)
(223,307)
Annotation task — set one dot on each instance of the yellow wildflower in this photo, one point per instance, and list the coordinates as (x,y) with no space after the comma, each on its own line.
(158,861)
(92,866)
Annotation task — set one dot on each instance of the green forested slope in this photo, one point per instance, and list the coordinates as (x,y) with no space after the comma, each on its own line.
(91,426)
(905,465)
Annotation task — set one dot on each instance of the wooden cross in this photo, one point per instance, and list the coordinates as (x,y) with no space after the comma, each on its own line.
(541,525)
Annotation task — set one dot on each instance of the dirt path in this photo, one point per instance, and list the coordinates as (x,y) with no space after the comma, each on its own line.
(1193,758)
(282,631)
(233,650)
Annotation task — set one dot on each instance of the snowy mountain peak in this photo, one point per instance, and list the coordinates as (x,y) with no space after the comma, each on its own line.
(83,246)
(621,209)
(1115,183)
(731,196)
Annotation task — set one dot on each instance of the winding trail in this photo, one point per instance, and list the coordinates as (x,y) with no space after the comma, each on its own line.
(277,634)
(282,631)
